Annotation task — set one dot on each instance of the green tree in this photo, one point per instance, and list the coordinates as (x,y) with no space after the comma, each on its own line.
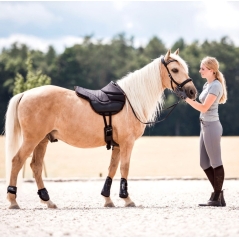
(33,79)
(93,64)
(155,48)
(179,44)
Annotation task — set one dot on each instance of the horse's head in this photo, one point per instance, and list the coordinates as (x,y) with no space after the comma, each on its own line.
(174,73)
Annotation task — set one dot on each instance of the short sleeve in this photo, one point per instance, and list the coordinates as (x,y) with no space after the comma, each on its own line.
(215,89)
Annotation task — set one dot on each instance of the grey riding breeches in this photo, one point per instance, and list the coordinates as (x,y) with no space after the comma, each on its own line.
(210,144)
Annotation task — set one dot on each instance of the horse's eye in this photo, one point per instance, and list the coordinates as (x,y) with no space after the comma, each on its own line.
(174,70)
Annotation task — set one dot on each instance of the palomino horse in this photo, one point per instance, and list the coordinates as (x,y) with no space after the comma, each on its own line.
(50,110)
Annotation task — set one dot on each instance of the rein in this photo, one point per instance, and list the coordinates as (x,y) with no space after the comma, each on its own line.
(172,106)
(158,121)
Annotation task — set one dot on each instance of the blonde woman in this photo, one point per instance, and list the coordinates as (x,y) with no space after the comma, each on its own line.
(214,93)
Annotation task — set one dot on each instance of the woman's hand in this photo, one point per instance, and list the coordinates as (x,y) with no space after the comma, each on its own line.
(210,99)
(181,93)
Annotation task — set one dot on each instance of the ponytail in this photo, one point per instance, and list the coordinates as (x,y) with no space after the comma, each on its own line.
(220,77)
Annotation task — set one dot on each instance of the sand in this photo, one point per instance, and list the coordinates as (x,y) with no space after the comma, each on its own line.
(165,182)
(164,208)
(173,157)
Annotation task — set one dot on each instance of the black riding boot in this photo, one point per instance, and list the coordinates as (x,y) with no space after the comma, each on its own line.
(210,175)
(217,197)
(223,200)
(223,203)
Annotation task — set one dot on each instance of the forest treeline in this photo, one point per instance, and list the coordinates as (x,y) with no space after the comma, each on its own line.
(94,64)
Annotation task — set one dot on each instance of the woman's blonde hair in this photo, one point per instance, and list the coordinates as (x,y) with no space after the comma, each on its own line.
(212,64)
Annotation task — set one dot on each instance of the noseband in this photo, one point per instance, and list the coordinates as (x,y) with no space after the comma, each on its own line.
(170,76)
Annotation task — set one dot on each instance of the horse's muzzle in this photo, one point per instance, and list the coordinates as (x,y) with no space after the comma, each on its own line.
(191,92)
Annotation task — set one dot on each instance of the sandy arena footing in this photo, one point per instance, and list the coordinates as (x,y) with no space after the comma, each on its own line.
(163,208)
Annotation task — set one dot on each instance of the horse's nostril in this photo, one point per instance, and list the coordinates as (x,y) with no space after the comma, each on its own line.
(191,92)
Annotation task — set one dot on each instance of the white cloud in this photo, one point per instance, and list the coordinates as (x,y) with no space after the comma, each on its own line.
(42,44)
(219,15)
(141,41)
(129,25)
(119,5)
(27,13)
(65,23)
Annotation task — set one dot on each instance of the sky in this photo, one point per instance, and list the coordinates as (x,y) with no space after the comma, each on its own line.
(61,24)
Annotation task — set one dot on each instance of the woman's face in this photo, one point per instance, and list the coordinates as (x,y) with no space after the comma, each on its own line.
(205,72)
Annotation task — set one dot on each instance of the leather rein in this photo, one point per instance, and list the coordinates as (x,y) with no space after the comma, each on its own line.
(172,80)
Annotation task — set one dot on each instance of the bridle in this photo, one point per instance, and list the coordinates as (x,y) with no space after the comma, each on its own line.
(170,76)
(172,80)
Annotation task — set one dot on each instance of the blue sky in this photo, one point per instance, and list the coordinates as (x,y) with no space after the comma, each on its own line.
(64,23)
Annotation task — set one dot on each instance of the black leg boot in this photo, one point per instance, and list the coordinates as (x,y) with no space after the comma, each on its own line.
(218,182)
(217,198)
(223,203)
(222,199)
(219,179)
(210,175)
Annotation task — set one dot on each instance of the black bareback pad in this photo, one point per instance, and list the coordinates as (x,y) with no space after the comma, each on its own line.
(108,100)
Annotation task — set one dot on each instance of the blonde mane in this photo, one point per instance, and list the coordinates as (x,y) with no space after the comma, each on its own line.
(144,90)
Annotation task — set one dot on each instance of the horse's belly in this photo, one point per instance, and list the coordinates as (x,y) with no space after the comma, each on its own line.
(80,126)
(82,133)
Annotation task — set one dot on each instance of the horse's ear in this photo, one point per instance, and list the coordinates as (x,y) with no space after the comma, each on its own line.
(167,55)
(176,52)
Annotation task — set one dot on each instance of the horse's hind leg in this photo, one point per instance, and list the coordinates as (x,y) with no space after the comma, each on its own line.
(125,154)
(17,163)
(112,171)
(36,165)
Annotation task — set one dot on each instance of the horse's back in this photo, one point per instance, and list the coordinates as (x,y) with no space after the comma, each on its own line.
(47,90)
(58,110)
(43,100)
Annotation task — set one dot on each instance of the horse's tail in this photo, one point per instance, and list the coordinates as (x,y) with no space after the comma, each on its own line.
(13,137)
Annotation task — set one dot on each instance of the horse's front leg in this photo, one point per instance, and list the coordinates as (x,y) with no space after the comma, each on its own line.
(114,162)
(36,165)
(125,154)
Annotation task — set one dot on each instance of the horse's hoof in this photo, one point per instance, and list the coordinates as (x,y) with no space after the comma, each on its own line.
(130,205)
(51,206)
(109,205)
(108,202)
(14,207)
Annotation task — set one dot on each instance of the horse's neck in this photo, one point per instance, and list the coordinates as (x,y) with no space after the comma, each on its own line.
(144,90)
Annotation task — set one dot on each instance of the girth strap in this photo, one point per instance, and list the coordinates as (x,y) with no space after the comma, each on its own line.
(108,130)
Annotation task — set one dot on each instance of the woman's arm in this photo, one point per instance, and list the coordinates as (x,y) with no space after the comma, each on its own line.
(205,105)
